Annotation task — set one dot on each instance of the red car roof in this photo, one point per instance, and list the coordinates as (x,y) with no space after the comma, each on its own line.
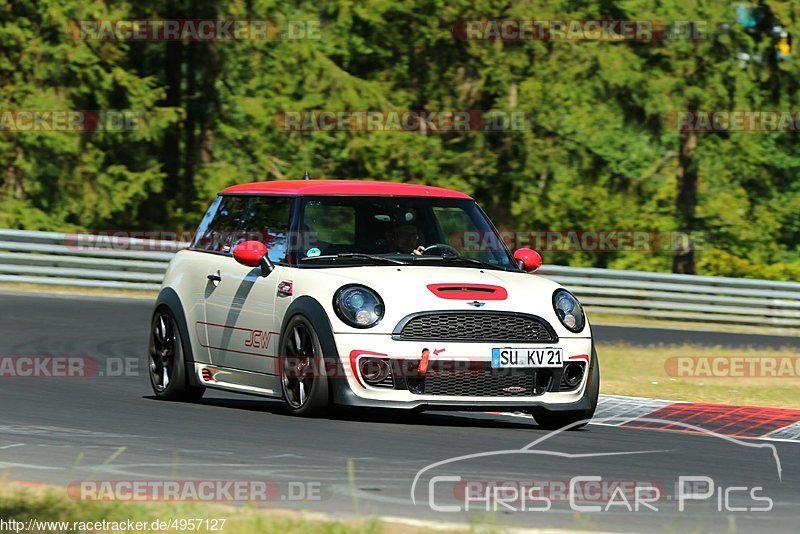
(341,187)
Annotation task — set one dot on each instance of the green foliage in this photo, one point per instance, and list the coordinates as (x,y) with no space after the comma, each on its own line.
(65,180)
(598,155)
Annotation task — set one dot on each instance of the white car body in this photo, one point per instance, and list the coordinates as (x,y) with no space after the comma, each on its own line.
(234,315)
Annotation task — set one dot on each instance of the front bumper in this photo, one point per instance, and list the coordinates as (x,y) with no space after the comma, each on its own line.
(456,357)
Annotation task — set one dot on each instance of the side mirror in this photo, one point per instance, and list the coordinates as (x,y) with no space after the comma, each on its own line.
(253,254)
(528,259)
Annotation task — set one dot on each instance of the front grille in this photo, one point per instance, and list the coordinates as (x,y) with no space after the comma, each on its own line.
(480,380)
(474,379)
(475,327)
(483,385)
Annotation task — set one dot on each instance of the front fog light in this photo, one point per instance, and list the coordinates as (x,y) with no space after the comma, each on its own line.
(573,374)
(375,370)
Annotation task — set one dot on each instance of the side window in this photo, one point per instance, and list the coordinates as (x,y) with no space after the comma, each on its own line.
(220,231)
(199,235)
(266,219)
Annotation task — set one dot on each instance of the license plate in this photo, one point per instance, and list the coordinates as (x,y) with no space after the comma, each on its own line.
(539,357)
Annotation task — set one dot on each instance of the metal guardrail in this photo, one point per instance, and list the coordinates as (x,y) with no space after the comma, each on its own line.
(709,299)
(83,260)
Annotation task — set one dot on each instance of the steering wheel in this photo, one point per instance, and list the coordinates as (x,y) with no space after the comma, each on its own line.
(442,248)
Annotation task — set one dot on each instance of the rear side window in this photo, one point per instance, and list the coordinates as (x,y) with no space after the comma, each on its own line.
(220,230)
(200,234)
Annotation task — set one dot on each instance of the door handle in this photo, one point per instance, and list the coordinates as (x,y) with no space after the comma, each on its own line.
(214,277)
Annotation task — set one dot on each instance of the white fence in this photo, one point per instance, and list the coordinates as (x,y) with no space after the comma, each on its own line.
(82,260)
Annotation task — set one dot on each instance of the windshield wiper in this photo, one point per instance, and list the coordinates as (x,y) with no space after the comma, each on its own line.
(359,255)
(456,257)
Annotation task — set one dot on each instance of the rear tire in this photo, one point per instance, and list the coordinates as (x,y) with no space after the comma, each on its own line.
(168,365)
(304,381)
(556,420)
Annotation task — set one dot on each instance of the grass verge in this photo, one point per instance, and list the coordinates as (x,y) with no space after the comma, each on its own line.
(47,509)
(50,504)
(651,372)
(629,320)
(81,291)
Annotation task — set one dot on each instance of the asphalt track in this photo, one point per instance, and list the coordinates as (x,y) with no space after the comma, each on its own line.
(61,430)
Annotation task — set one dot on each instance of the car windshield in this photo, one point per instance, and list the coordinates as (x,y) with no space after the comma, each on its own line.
(343,231)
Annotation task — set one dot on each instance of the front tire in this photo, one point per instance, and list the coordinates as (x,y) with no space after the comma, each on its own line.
(303,377)
(556,420)
(168,362)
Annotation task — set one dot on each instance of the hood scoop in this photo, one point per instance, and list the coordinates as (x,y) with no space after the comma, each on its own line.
(468,291)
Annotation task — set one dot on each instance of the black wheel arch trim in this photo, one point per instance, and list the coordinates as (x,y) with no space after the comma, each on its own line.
(169,297)
(312,310)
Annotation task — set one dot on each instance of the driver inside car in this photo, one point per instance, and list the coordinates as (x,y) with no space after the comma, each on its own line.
(404,238)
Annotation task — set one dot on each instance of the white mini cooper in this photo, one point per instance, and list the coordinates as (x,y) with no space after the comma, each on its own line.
(368,294)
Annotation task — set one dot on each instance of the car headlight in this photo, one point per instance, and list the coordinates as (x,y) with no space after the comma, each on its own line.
(358,306)
(569,310)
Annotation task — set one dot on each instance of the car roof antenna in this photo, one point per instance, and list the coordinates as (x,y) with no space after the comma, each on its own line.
(305,175)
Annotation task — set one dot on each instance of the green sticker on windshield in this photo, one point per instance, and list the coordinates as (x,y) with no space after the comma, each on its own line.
(313,252)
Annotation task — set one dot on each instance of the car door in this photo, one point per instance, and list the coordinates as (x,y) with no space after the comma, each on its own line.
(242,330)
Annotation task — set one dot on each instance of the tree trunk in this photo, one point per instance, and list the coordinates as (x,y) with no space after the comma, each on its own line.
(684,261)
(170,151)
(194,112)
(211,73)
